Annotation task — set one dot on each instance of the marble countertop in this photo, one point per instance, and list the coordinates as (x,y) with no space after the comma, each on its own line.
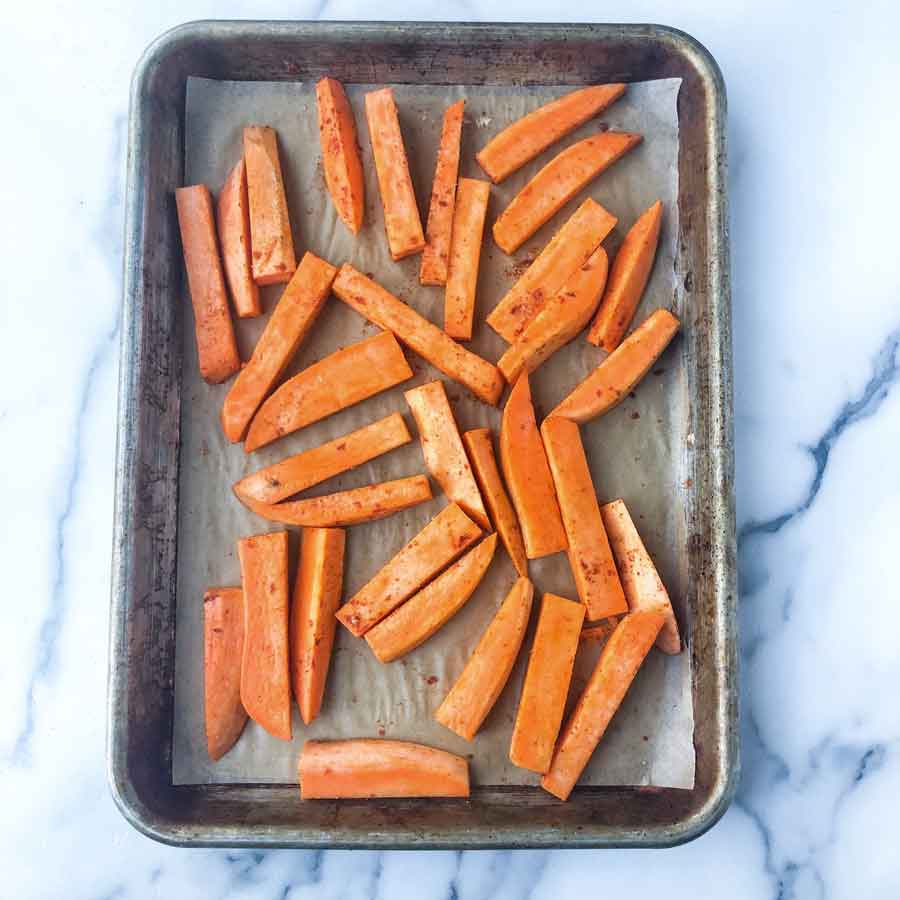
(813,137)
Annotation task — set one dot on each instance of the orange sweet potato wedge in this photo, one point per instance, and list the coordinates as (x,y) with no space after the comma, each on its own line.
(532,134)
(290,322)
(233,222)
(387,311)
(398,199)
(620,372)
(569,249)
(223,641)
(482,680)
(364,504)
(559,320)
(265,662)
(317,595)
(627,280)
(341,379)
(436,255)
(619,662)
(465,254)
(271,242)
(441,541)
(546,686)
(297,473)
(364,768)
(590,556)
(557,183)
(340,153)
(643,586)
(484,464)
(217,350)
(443,449)
(527,475)
(432,607)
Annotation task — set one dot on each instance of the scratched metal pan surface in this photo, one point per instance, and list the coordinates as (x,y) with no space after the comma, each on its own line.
(142,626)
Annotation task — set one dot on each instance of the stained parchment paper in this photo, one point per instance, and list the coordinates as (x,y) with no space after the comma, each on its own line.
(635,451)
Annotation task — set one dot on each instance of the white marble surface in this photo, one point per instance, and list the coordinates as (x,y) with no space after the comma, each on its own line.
(813,147)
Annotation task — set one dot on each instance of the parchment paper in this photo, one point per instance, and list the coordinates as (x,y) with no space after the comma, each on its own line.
(634,451)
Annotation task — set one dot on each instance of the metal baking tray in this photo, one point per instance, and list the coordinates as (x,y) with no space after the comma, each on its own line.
(142,626)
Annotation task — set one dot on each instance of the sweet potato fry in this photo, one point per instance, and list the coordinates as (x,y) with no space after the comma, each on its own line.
(546,686)
(465,254)
(627,280)
(601,631)
(265,665)
(398,199)
(364,768)
(443,450)
(340,153)
(341,379)
(364,504)
(288,325)
(297,473)
(484,464)
(223,640)
(568,250)
(436,255)
(532,134)
(476,690)
(559,320)
(643,586)
(557,183)
(620,372)
(271,241)
(426,612)
(317,595)
(387,311)
(444,538)
(217,350)
(527,475)
(590,556)
(619,662)
(233,222)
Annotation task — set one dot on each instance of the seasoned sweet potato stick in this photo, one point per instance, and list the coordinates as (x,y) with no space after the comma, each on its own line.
(620,372)
(532,134)
(627,280)
(387,311)
(436,255)
(527,475)
(444,538)
(476,690)
(317,595)
(401,215)
(365,768)
(590,556)
(233,221)
(265,666)
(568,250)
(223,640)
(426,612)
(556,184)
(443,450)
(271,241)
(484,464)
(217,350)
(546,686)
(341,379)
(340,153)
(619,662)
(290,322)
(643,586)
(297,473)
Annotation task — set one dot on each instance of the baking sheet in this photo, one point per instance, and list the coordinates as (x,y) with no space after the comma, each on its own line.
(635,452)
